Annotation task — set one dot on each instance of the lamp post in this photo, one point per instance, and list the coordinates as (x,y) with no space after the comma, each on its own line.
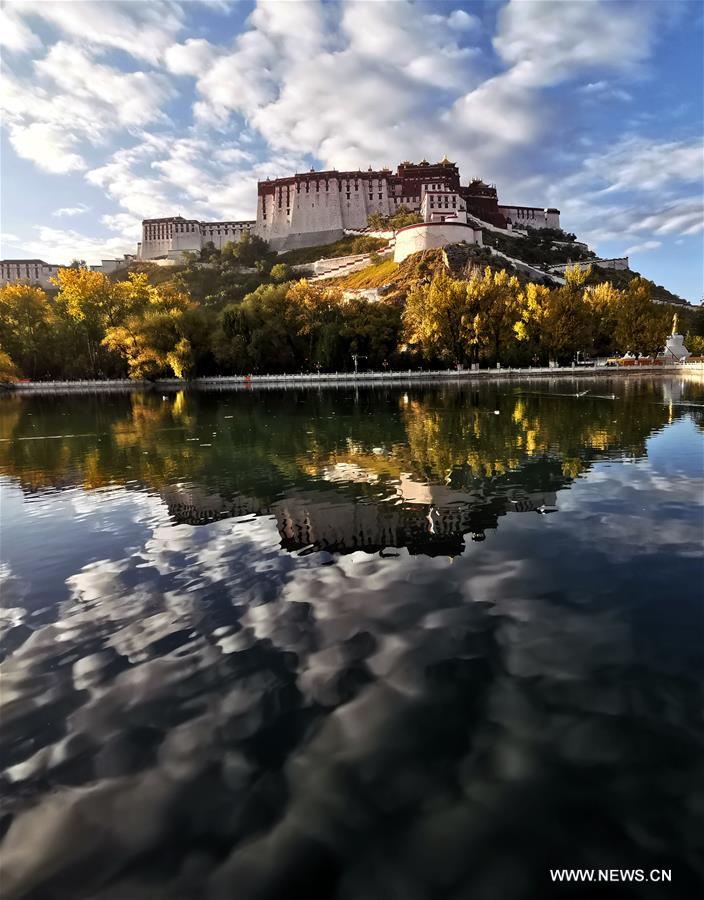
(355,357)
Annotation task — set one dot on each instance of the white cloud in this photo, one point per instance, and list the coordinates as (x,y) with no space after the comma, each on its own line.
(50,147)
(71,210)
(639,188)
(602,91)
(637,163)
(642,248)
(143,30)
(351,85)
(72,99)
(548,41)
(129,227)
(462,20)
(130,98)
(14,34)
(190,58)
(160,176)
(135,192)
(63,246)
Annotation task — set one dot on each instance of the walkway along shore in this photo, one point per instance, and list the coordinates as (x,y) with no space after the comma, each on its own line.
(333,379)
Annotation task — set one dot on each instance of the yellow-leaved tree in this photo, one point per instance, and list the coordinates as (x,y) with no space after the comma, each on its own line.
(8,370)
(557,321)
(641,326)
(495,296)
(603,302)
(151,337)
(25,322)
(95,304)
(440,318)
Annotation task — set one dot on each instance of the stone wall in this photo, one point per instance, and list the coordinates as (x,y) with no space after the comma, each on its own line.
(531,216)
(619,263)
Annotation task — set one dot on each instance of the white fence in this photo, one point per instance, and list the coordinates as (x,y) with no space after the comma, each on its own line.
(331,378)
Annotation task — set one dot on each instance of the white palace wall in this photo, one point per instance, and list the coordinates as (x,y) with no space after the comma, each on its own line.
(318,210)
(28,271)
(161,237)
(429,235)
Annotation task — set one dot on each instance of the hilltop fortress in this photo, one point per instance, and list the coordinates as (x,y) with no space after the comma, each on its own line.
(314,208)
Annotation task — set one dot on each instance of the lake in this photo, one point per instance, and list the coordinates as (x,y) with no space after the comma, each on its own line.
(377,643)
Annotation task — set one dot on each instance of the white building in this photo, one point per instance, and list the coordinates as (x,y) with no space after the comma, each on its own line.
(444,222)
(170,237)
(107,266)
(28,271)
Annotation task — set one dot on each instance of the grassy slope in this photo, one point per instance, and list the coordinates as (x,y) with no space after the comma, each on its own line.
(345,247)
(373,277)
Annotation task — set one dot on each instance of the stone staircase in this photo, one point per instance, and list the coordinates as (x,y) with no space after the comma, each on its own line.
(346,265)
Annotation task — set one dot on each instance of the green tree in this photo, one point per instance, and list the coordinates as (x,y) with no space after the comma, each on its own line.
(261,334)
(694,343)
(371,329)
(281,273)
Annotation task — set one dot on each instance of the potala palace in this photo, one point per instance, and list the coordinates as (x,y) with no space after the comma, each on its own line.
(314,208)
(318,208)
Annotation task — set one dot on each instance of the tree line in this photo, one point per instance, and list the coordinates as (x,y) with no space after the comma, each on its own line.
(209,321)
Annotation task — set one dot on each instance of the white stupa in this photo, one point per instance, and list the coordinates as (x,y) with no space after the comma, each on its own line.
(675,350)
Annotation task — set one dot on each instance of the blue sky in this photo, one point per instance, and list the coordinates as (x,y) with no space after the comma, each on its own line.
(113,112)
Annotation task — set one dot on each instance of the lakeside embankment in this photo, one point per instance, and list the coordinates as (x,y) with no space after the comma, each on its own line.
(337,378)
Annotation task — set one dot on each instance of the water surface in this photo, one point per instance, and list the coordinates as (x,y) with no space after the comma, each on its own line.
(367,644)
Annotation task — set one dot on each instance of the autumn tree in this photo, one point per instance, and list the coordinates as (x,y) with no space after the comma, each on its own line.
(95,304)
(641,325)
(557,320)
(603,301)
(8,370)
(440,318)
(151,337)
(495,296)
(25,322)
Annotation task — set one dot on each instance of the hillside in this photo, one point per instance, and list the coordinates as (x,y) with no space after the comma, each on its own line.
(394,280)
(347,246)
(621,277)
(220,281)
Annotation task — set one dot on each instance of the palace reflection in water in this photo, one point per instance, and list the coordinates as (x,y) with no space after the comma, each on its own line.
(422,642)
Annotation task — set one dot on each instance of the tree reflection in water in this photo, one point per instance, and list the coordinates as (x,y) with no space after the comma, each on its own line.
(233,702)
